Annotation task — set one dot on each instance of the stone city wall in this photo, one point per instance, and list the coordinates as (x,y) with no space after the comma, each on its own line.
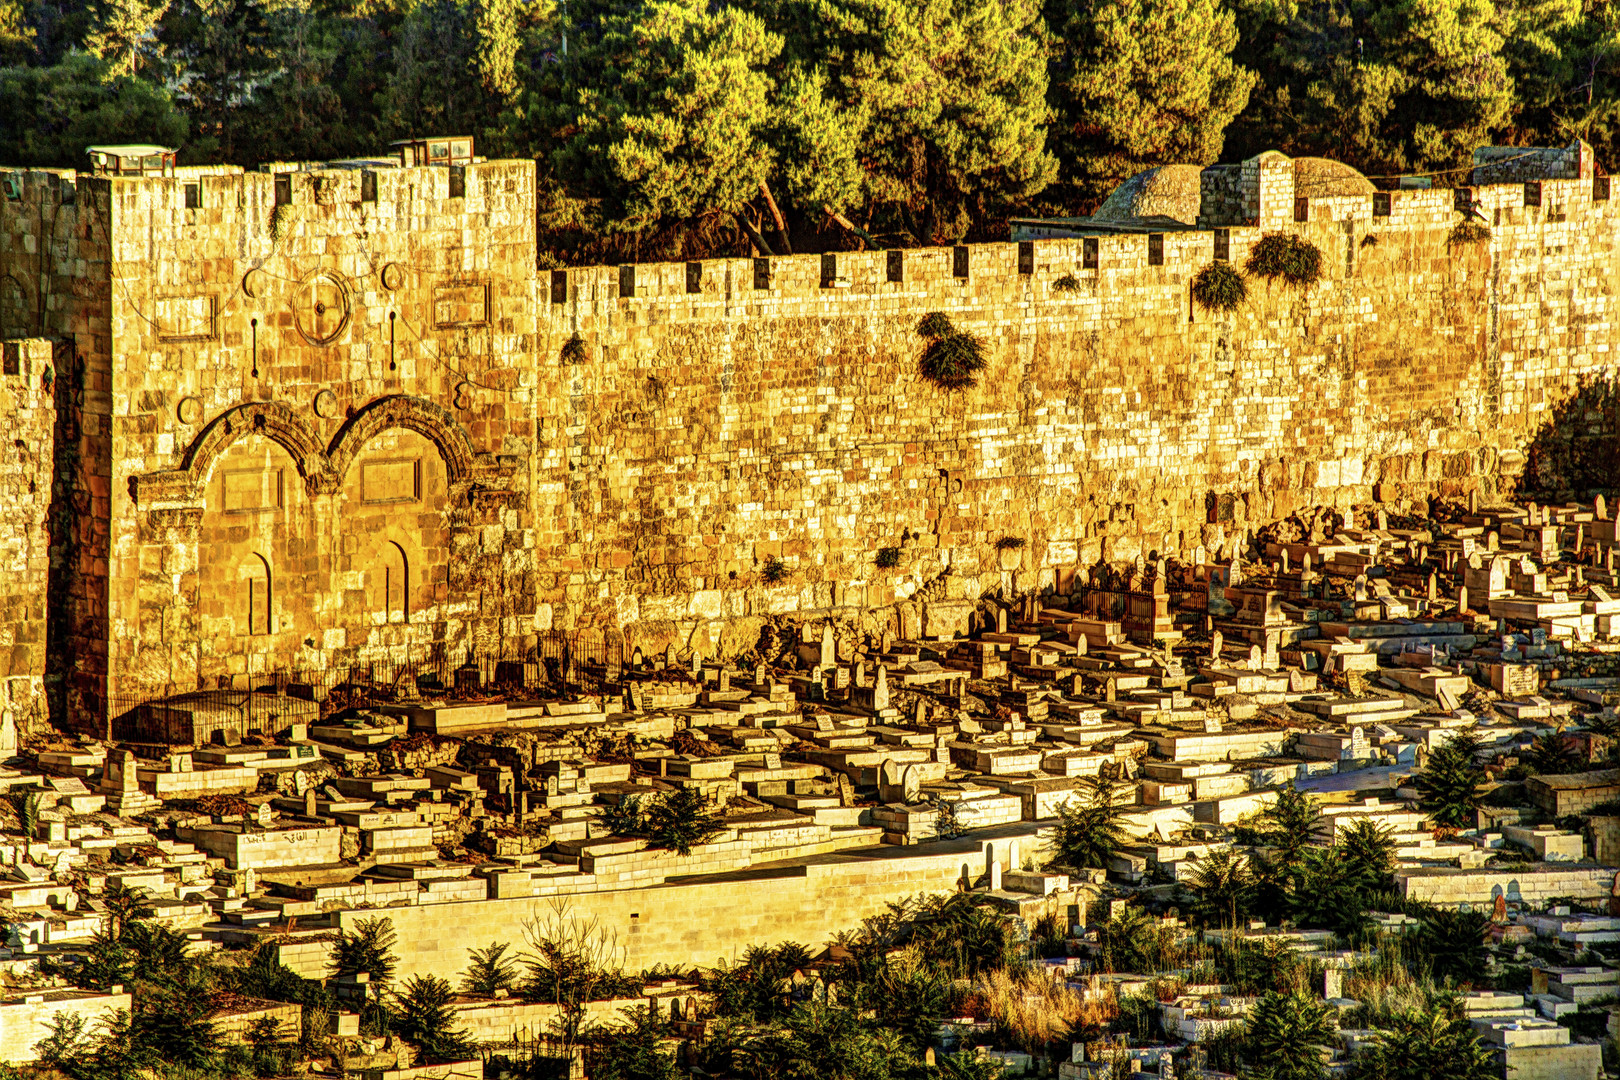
(730,412)
(28,417)
(349,421)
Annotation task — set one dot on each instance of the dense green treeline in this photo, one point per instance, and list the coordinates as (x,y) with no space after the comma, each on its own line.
(687,127)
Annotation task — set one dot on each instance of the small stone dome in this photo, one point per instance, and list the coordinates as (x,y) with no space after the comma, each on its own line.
(1316,177)
(1170,191)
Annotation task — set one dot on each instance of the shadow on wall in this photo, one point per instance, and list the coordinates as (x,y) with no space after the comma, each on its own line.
(1577,450)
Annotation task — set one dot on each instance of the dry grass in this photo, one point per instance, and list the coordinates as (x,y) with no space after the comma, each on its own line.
(1035,1006)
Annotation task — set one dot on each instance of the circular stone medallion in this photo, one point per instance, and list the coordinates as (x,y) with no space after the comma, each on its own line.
(321,307)
(393,276)
(190,410)
(326,405)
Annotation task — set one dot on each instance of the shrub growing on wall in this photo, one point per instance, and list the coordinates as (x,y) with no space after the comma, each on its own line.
(888,558)
(573,350)
(1068,283)
(1295,260)
(953,357)
(1468,232)
(1219,287)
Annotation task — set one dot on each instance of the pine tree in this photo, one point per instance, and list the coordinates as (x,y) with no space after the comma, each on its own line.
(1436,1043)
(122,32)
(1409,85)
(1140,83)
(1368,851)
(425,1019)
(1449,783)
(662,109)
(1285,1036)
(1089,832)
(940,103)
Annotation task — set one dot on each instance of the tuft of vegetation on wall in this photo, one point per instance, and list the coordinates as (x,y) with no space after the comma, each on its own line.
(1293,259)
(953,358)
(1468,232)
(573,351)
(1068,283)
(1219,287)
(888,558)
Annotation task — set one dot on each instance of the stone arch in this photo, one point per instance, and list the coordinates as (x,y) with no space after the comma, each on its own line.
(271,419)
(431,421)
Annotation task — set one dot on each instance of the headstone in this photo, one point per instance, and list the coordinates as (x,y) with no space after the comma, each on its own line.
(759,674)
(1081,645)
(846,791)
(1001,620)
(725,679)
(697,664)
(910,784)
(880,689)
(266,816)
(1216,641)
(8,735)
(828,652)
(1462,600)
(1600,509)
(889,785)
(311,809)
(669,655)
(858,675)
(1255,658)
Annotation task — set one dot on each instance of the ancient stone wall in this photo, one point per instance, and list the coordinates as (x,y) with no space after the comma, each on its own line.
(303,420)
(320,419)
(28,418)
(724,415)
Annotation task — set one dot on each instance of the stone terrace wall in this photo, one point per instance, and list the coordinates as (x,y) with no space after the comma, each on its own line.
(675,924)
(720,418)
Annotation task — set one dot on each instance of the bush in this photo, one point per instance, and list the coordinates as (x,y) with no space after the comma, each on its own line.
(1009,543)
(1219,287)
(1068,283)
(1295,260)
(775,570)
(1468,232)
(952,362)
(573,351)
(369,949)
(888,558)
(681,819)
(953,357)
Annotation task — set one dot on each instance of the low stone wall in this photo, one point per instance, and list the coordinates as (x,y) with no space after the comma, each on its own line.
(26,1022)
(1534,886)
(696,923)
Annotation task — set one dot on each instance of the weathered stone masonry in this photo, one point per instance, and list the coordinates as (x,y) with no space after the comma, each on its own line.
(324,418)
(721,419)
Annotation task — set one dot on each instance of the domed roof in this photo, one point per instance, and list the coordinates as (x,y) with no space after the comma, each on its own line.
(1317,177)
(1170,191)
